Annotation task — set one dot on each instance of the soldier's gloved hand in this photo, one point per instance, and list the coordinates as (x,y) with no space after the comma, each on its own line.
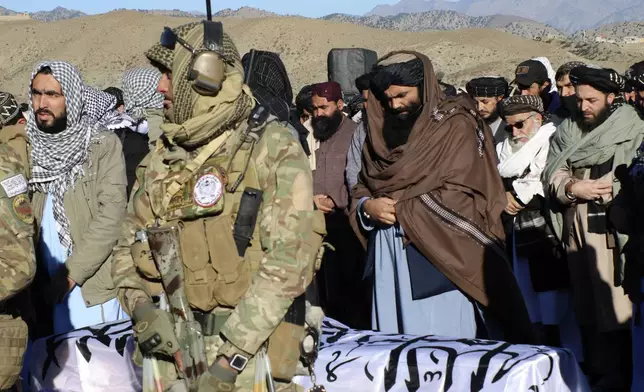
(216,379)
(154,330)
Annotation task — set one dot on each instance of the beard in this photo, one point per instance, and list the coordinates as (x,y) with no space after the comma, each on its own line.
(58,124)
(516,143)
(324,127)
(493,117)
(398,125)
(569,108)
(589,124)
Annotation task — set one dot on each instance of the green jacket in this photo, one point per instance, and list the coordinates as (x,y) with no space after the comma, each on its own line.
(95,207)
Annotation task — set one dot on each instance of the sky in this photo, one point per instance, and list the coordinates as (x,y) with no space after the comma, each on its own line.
(294,7)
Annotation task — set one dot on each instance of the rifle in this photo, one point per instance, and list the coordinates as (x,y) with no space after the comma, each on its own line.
(166,251)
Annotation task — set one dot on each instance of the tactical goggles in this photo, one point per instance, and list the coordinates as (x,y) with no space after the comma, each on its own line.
(169,40)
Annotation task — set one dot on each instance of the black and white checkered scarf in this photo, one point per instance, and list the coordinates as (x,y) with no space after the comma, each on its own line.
(57,159)
(101,106)
(140,92)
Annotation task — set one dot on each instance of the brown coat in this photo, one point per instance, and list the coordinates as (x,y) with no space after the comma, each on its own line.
(331,162)
(448,160)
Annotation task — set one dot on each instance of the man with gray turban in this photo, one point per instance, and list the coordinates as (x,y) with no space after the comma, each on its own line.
(78,180)
(566,90)
(237,186)
(537,255)
(583,176)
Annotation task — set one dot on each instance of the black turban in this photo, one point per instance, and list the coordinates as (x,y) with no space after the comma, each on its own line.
(520,104)
(489,86)
(603,79)
(410,73)
(635,77)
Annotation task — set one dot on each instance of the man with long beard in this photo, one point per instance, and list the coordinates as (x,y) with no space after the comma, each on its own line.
(341,274)
(488,92)
(537,255)
(429,204)
(583,176)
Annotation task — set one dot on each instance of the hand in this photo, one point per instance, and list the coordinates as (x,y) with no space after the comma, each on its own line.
(61,284)
(324,203)
(513,206)
(381,210)
(591,189)
(155,333)
(219,378)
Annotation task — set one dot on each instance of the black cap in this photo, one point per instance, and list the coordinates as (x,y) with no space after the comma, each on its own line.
(531,71)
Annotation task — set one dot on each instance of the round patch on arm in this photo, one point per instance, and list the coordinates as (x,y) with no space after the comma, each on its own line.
(22,209)
(208,190)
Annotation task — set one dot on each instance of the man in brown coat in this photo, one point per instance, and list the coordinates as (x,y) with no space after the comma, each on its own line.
(339,282)
(430,199)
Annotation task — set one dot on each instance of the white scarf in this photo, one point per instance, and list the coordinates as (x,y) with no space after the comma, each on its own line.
(532,155)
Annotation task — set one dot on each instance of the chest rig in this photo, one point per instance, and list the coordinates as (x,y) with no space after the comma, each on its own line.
(215,198)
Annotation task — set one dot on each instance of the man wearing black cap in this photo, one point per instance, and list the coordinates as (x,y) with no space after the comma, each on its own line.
(583,174)
(488,92)
(532,78)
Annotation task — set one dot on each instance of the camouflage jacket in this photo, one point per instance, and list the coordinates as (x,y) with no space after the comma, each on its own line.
(285,225)
(17,260)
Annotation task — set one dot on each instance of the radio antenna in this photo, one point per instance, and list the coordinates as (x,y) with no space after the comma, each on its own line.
(208,10)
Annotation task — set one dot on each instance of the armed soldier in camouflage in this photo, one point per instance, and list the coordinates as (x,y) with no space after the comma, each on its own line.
(17,260)
(221,166)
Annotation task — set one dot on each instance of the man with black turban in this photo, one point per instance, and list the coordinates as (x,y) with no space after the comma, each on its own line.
(584,174)
(429,205)
(488,92)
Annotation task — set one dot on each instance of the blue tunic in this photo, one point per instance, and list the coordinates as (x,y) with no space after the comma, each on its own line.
(395,309)
(72,313)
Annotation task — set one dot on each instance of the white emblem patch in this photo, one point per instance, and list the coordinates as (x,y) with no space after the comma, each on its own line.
(208,190)
(13,186)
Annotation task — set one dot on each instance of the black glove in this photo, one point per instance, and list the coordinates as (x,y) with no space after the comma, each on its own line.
(216,379)
(154,330)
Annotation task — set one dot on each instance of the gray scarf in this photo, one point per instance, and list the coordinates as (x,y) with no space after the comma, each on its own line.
(140,92)
(618,137)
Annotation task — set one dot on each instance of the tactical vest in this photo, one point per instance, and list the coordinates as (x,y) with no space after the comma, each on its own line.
(203,196)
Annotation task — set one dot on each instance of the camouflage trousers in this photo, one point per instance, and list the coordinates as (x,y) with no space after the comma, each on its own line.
(245,380)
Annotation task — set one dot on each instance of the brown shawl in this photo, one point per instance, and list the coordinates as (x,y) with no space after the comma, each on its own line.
(448,158)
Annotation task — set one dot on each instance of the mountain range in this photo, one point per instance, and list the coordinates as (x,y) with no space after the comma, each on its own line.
(565,15)
(450,20)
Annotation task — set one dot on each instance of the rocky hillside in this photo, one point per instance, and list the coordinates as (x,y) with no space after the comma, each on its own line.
(565,15)
(174,13)
(615,31)
(58,13)
(450,20)
(244,12)
(7,12)
(89,43)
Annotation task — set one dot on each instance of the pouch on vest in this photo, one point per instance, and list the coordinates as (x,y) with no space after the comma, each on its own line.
(197,195)
(13,344)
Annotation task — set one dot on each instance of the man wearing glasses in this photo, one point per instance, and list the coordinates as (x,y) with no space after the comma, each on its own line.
(537,255)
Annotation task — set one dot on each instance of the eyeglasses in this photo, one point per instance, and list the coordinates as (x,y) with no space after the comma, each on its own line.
(518,125)
(169,40)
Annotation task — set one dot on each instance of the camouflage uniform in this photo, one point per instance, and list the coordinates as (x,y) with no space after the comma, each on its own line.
(282,252)
(17,261)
